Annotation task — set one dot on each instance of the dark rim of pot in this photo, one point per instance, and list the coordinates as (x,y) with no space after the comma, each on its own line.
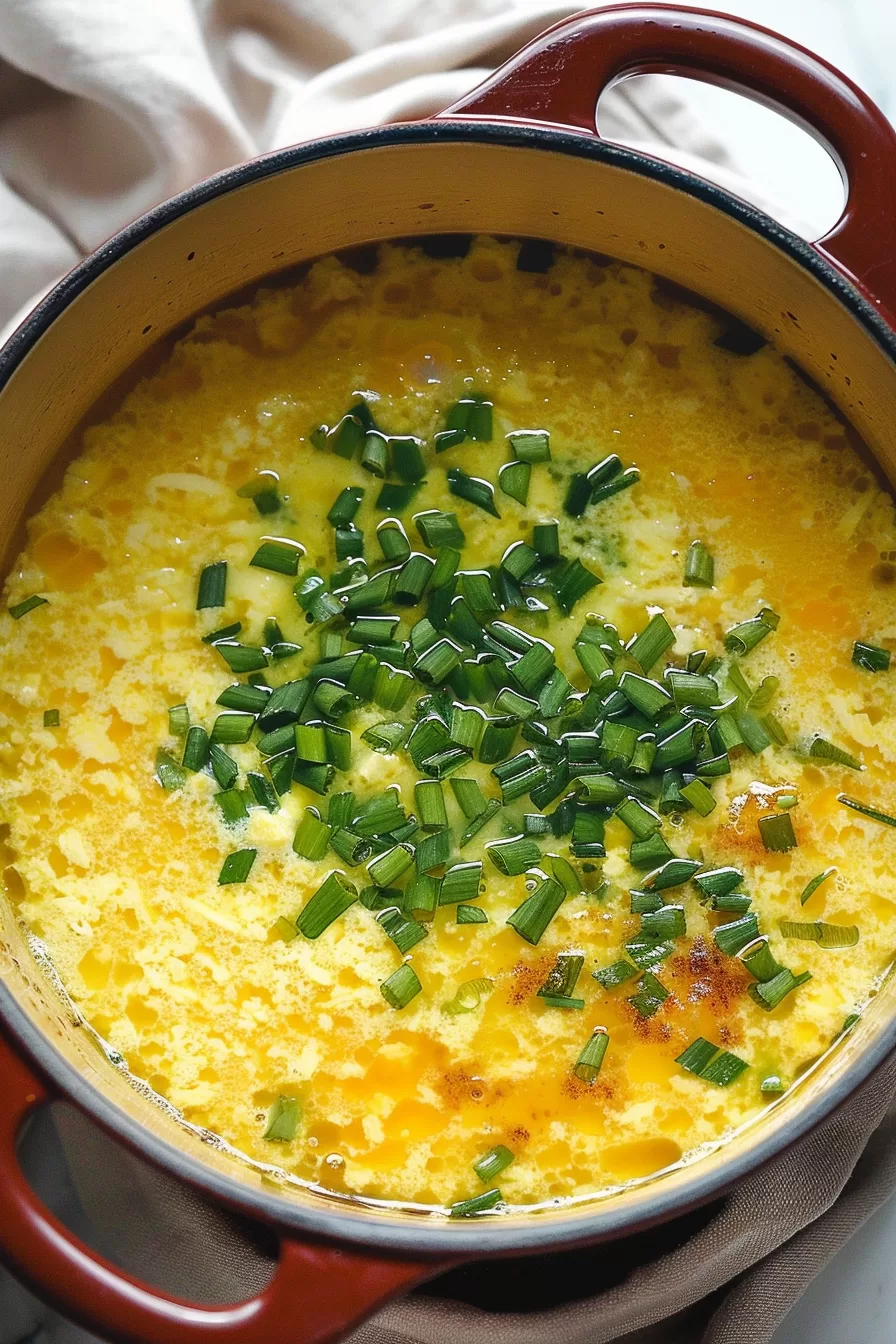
(434,1236)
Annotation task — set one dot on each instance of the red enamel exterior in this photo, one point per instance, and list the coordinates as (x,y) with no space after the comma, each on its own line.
(319,1292)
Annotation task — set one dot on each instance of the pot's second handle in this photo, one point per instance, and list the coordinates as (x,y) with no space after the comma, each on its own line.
(558,78)
(316,1295)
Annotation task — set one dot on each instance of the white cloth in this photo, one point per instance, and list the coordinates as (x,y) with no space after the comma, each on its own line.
(106,108)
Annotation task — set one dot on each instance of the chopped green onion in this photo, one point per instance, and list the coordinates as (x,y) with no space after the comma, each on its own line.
(232,805)
(468,996)
(699,566)
(279,554)
(513,480)
(588,1065)
(241,657)
(317,777)
(699,796)
(262,789)
(482,819)
(772,1085)
(178,719)
(532,918)
(283,1120)
(394,497)
(345,506)
(385,868)
(196,746)
(667,922)
(760,961)
(470,914)
(224,769)
(673,873)
(212,587)
(812,886)
(280,769)
(51,719)
(407,459)
(492,1163)
(573,583)
(610,977)
(600,492)
(169,772)
(711,1063)
(430,804)
(470,1208)
(546,540)
(285,929)
(469,797)
(401,986)
(649,852)
(404,932)
(719,881)
(312,837)
(530,445)
(393,541)
(641,820)
(650,996)
(578,495)
(563,976)
(349,847)
(645,695)
(743,638)
(433,850)
(333,897)
(411,581)
(461,884)
(20,609)
(439,529)
(226,632)
(514,856)
(826,935)
(870,656)
(473,489)
(236,867)
(734,937)
(821,749)
(771,992)
(375,454)
(653,641)
(232,726)
(871,812)
(777,832)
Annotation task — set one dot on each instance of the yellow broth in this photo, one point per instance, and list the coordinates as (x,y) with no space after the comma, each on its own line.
(192,980)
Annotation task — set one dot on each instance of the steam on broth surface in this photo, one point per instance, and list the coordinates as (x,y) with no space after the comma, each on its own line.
(643,971)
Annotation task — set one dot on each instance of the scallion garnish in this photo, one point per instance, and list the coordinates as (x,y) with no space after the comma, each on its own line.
(263,791)
(407,458)
(196,746)
(169,772)
(711,1063)
(573,582)
(871,812)
(820,749)
(470,914)
(395,497)
(812,886)
(532,918)
(513,480)
(514,856)
(470,1208)
(653,641)
(312,837)
(461,884)
(743,638)
(696,793)
(477,823)
(614,975)
(777,833)
(401,986)
(386,868)
(826,935)
(333,897)
(51,718)
(232,805)
(472,489)
(232,727)
(769,993)
(236,867)
(345,506)
(734,937)
(674,873)
(20,609)
(650,995)
(719,881)
(241,657)
(699,566)
(870,656)
(212,587)
(283,1120)
(430,804)
(224,768)
(439,529)
(404,932)
(563,976)
(433,850)
(772,1085)
(588,1065)
(279,554)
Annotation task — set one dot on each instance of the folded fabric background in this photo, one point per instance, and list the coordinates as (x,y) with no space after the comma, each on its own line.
(107,109)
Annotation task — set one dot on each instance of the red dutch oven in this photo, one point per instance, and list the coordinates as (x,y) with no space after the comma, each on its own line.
(519,156)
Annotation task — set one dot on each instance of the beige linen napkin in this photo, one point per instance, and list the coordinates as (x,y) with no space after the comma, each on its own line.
(105,109)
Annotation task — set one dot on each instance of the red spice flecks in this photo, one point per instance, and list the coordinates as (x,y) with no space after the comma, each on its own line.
(527,978)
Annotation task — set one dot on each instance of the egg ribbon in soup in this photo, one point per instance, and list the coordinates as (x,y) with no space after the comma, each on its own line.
(448,726)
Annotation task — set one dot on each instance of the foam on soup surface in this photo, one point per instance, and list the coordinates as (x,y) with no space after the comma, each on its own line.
(591,1005)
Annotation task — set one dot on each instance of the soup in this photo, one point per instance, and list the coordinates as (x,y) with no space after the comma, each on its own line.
(448,727)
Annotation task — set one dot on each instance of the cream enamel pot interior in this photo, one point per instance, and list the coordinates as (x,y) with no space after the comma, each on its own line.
(520,156)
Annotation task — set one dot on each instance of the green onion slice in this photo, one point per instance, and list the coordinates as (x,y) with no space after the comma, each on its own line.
(401,987)
(333,897)
(588,1065)
(236,867)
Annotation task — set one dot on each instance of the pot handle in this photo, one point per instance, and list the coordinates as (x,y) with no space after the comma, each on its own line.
(316,1295)
(557,79)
